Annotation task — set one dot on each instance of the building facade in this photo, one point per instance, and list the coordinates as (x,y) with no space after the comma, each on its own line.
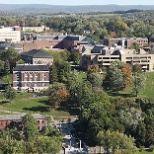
(125,42)
(30,77)
(16,120)
(104,56)
(9,33)
(37,57)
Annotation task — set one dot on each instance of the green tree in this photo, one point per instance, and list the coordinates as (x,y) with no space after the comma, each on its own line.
(45,144)
(76,58)
(117,142)
(53,74)
(138,83)
(30,130)
(11,55)
(10,93)
(136,46)
(6,68)
(10,142)
(95,79)
(2,66)
(20,61)
(114,78)
(137,68)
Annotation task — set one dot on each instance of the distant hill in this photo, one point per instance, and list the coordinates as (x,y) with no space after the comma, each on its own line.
(42,8)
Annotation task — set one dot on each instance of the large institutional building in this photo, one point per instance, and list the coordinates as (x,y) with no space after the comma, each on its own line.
(9,34)
(31,77)
(103,56)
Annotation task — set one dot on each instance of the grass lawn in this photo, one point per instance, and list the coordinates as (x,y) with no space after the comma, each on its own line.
(149,88)
(25,102)
(146,152)
(148,91)
(6,79)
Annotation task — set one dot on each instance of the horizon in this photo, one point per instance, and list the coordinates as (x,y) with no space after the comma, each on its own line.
(75,5)
(81,2)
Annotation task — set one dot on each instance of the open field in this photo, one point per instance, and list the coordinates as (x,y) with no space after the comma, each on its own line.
(146,152)
(148,91)
(26,102)
(149,88)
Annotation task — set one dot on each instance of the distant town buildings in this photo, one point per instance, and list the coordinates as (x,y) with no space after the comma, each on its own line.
(35,29)
(9,34)
(125,42)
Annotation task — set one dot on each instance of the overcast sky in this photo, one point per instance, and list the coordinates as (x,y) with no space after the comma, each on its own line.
(80,2)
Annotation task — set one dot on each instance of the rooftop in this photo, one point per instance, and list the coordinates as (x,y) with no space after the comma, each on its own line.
(31,67)
(36,54)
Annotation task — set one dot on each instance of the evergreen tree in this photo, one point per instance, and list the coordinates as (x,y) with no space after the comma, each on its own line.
(95,79)
(138,83)
(10,93)
(29,127)
(6,67)
(114,79)
(53,74)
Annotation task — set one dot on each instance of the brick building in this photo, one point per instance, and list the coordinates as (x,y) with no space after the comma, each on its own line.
(52,41)
(125,42)
(37,57)
(15,120)
(31,77)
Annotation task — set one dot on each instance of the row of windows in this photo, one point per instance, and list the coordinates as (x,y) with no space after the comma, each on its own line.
(34,84)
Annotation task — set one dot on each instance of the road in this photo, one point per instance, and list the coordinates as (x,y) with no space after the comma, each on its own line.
(71,145)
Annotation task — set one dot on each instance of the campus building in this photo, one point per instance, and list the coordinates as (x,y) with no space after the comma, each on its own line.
(125,42)
(37,57)
(30,77)
(9,34)
(103,56)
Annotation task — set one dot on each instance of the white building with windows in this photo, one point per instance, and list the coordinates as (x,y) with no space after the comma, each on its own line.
(9,33)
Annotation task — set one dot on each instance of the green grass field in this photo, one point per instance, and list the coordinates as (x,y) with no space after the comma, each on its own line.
(146,152)
(149,86)
(26,102)
(148,91)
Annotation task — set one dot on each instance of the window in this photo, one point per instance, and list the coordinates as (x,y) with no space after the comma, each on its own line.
(43,84)
(44,79)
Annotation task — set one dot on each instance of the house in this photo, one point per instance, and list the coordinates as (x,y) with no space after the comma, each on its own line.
(30,77)
(37,57)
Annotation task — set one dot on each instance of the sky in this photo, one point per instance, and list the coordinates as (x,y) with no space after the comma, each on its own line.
(80,2)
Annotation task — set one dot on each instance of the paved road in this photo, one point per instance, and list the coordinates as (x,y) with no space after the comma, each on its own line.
(71,145)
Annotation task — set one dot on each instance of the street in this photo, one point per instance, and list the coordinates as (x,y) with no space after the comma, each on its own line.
(71,144)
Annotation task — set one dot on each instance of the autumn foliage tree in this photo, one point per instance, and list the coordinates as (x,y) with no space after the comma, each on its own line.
(93,69)
(127,74)
(62,93)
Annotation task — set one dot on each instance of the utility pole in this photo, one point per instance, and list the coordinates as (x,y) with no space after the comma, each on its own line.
(80,145)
